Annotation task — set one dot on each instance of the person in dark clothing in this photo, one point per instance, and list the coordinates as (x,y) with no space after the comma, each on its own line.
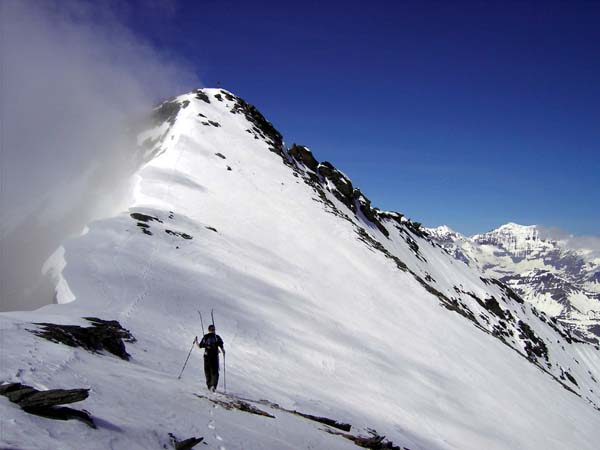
(211,342)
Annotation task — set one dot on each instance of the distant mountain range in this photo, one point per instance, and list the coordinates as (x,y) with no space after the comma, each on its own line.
(555,276)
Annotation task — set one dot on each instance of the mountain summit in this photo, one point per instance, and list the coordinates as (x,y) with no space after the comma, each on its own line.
(339,318)
(551,274)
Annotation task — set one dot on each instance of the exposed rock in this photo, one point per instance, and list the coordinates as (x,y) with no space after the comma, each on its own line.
(201,95)
(302,154)
(238,404)
(325,420)
(179,234)
(364,205)
(143,221)
(102,335)
(534,345)
(166,112)
(17,395)
(343,186)
(571,378)
(54,397)
(491,305)
(64,413)
(507,290)
(262,126)
(228,95)
(44,403)
(140,217)
(212,229)
(11,387)
(220,155)
(186,444)
(373,442)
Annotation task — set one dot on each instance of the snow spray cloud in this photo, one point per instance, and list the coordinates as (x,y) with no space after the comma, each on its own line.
(72,77)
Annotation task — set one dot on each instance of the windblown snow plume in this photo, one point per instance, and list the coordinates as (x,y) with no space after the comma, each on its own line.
(73,76)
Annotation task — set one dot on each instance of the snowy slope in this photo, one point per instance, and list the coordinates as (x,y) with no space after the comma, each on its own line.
(326,305)
(550,274)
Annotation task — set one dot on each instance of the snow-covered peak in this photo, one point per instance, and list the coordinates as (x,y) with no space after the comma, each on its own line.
(443,231)
(512,229)
(518,240)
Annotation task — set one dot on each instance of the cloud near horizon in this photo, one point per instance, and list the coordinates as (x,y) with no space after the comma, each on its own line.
(588,244)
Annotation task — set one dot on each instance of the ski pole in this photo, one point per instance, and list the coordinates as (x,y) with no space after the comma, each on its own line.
(201,322)
(224,375)
(188,357)
(212,317)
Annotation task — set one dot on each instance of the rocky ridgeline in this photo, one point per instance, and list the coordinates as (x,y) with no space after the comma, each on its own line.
(507,317)
(298,157)
(329,177)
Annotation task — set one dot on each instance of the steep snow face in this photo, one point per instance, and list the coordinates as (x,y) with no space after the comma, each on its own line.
(551,275)
(326,305)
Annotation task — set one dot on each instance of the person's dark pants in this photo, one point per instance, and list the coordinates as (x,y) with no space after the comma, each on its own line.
(211,369)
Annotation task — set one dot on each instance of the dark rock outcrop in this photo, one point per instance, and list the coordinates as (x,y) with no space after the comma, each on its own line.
(106,335)
(236,403)
(303,155)
(201,95)
(186,444)
(47,399)
(373,442)
(534,345)
(332,423)
(143,221)
(343,186)
(46,403)
(261,126)
(179,234)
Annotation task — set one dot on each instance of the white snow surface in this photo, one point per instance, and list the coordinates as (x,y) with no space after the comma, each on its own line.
(312,318)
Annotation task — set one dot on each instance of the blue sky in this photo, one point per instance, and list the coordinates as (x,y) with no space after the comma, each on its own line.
(470,114)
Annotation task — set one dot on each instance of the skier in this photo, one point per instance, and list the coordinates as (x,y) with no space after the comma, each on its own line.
(211,343)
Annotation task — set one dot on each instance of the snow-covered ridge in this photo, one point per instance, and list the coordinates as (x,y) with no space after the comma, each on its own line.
(327,305)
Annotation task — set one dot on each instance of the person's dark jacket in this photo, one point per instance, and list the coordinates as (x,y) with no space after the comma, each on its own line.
(211,342)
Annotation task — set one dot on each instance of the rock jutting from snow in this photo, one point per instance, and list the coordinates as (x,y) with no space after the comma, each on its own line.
(185,444)
(106,335)
(46,403)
